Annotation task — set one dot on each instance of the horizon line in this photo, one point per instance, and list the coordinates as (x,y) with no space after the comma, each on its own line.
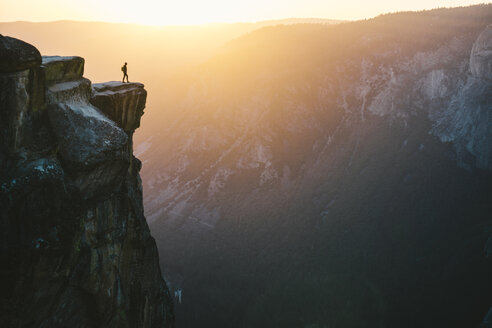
(238,22)
(173,25)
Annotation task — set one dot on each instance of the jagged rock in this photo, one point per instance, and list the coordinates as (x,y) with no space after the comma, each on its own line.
(59,68)
(481,55)
(113,99)
(85,136)
(467,119)
(26,176)
(17,124)
(19,110)
(17,55)
(76,249)
(72,91)
(94,150)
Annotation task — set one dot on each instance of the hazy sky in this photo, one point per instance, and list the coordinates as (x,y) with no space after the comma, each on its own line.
(164,12)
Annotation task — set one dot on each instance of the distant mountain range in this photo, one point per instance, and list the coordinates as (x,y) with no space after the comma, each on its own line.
(313,175)
(330,176)
(155,54)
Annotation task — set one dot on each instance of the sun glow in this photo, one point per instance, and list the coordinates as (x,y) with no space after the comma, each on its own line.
(192,12)
(151,12)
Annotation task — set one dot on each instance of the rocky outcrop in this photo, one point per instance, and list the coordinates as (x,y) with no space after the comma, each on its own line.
(481,56)
(467,118)
(63,68)
(76,250)
(98,151)
(112,97)
(17,55)
(23,98)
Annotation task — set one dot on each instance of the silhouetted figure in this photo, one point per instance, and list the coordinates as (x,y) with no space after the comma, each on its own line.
(124,70)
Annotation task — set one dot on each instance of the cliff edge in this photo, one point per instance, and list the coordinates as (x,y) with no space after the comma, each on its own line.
(76,250)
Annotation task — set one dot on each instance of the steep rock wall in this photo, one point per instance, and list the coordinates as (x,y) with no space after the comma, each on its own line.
(354,167)
(76,250)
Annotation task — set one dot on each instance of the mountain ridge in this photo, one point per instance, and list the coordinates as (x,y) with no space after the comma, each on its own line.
(348,160)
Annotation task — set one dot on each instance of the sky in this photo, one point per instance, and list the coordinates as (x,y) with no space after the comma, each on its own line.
(185,12)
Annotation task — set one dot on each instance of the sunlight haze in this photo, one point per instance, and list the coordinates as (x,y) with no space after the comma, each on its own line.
(260,163)
(186,12)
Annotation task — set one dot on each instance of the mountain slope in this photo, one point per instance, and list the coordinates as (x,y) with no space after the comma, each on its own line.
(340,175)
(154,53)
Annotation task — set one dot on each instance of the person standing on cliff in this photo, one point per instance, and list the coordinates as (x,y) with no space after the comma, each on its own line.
(124,70)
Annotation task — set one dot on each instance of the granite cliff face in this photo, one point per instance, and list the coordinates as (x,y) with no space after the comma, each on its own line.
(345,168)
(76,250)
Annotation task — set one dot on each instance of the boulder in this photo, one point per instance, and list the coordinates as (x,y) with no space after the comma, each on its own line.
(93,149)
(60,69)
(85,136)
(71,91)
(19,109)
(123,103)
(17,55)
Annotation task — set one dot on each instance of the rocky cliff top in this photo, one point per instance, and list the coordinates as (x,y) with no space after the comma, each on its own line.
(17,55)
(76,249)
(115,86)
(58,68)
(112,96)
